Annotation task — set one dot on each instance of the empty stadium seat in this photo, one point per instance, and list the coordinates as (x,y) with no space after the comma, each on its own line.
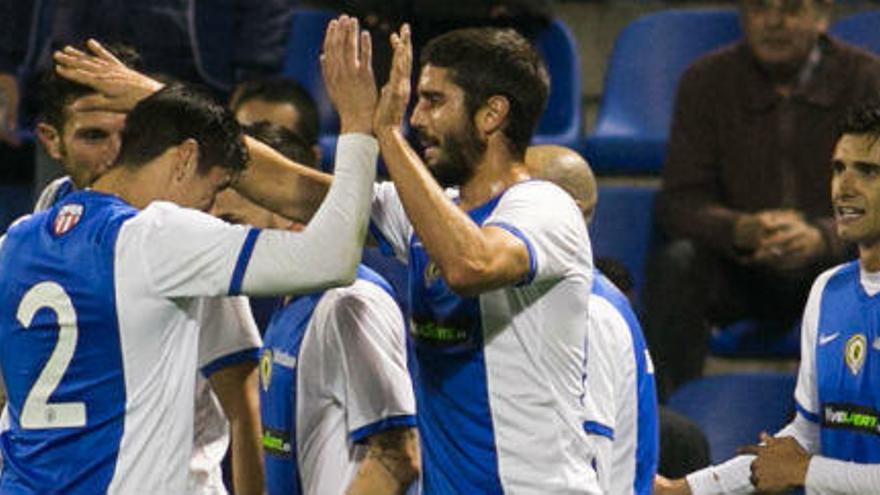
(561,121)
(649,58)
(623,227)
(302,63)
(862,29)
(755,339)
(733,409)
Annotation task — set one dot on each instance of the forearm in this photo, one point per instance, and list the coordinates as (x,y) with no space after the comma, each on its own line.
(732,477)
(453,241)
(831,476)
(287,188)
(390,465)
(684,215)
(236,388)
(604,460)
(327,252)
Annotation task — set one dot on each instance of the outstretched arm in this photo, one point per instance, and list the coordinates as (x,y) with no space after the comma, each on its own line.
(472,259)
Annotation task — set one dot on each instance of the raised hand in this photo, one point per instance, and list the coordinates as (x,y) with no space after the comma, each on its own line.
(396,93)
(119,87)
(346,65)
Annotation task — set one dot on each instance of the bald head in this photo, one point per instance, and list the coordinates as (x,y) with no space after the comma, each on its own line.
(567,169)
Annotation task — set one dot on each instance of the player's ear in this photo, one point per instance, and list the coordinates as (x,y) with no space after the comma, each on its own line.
(51,139)
(492,116)
(187,162)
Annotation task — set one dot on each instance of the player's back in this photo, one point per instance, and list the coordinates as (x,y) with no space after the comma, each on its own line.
(85,380)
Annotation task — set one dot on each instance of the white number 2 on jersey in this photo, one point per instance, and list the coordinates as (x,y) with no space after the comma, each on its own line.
(37,412)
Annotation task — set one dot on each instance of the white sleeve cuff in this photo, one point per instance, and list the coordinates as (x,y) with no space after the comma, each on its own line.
(731,477)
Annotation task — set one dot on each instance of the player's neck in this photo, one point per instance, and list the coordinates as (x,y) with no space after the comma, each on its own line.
(869,257)
(132,186)
(497,171)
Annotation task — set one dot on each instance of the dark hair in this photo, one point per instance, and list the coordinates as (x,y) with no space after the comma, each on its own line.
(862,119)
(176,113)
(57,93)
(488,61)
(284,141)
(282,90)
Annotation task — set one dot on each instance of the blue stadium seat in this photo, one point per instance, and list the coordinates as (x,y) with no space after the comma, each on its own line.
(862,29)
(623,227)
(649,57)
(756,339)
(302,63)
(561,121)
(733,409)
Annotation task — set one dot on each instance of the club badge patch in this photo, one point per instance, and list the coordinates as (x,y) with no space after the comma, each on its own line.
(266,369)
(854,352)
(67,218)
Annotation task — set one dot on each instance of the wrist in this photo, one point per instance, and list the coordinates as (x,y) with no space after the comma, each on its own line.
(362,124)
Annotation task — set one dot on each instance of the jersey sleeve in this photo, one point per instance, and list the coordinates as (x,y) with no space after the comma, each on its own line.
(389,224)
(228,334)
(805,394)
(371,339)
(547,221)
(188,253)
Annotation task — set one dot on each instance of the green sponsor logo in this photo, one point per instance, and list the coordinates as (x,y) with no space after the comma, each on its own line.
(851,417)
(440,333)
(277,443)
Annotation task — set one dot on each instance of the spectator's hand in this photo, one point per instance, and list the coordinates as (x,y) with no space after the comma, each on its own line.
(781,464)
(119,87)
(347,68)
(9,119)
(396,93)
(789,242)
(747,232)
(665,486)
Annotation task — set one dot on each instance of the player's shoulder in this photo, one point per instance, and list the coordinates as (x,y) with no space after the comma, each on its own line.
(166,216)
(55,191)
(836,275)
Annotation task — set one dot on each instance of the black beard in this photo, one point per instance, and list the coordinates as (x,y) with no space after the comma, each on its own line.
(458,157)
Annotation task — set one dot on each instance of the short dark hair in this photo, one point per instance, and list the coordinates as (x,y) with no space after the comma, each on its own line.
(862,119)
(284,141)
(56,93)
(282,90)
(177,113)
(488,61)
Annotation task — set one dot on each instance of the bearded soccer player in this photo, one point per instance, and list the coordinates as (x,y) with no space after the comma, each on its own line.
(833,444)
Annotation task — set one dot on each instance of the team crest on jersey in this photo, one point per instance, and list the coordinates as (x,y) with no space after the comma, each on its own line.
(266,369)
(854,352)
(67,218)
(432,273)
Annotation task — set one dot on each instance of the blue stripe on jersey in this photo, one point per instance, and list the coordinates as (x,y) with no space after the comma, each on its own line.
(809,416)
(384,246)
(648,435)
(449,378)
(278,368)
(848,369)
(388,423)
(70,459)
(244,256)
(596,428)
(278,375)
(533,262)
(244,355)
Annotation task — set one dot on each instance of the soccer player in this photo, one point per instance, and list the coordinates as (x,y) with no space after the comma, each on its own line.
(336,397)
(101,334)
(86,143)
(500,274)
(832,445)
(620,397)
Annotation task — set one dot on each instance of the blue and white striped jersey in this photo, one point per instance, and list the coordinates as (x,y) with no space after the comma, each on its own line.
(498,376)
(621,397)
(333,372)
